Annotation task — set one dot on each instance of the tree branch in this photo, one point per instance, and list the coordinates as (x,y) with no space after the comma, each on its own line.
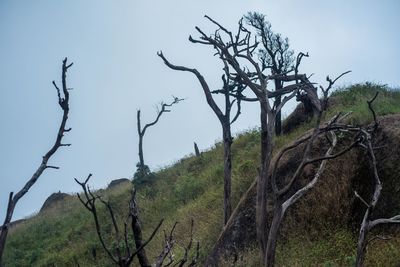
(203,83)
(63,100)
(301,192)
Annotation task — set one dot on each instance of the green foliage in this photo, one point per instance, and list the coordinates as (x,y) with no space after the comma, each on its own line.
(192,188)
(354,98)
(143,175)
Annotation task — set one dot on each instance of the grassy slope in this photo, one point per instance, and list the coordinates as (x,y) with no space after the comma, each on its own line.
(191,188)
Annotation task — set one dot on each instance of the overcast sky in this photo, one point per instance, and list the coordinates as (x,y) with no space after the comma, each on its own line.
(113,45)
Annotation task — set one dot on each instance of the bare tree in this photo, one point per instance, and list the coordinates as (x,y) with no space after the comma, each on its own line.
(287,194)
(121,258)
(63,101)
(124,255)
(231,90)
(169,243)
(237,51)
(136,230)
(142,169)
(274,55)
(368,223)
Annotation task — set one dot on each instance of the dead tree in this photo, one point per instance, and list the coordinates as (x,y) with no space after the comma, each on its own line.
(142,168)
(284,196)
(368,223)
(167,251)
(120,258)
(136,230)
(274,54)
(63,101)
(237,51)
(124,255)
(230,87)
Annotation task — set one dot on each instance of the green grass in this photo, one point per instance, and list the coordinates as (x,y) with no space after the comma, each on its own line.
(353,99)
(192,188)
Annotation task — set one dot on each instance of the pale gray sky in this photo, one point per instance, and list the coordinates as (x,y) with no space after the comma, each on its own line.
(113,45)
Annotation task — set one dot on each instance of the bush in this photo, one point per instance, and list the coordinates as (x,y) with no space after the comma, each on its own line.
(143,175)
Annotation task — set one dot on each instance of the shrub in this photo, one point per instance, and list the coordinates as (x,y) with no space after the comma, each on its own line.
(143,175)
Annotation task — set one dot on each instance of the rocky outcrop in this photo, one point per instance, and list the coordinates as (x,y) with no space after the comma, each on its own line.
(53,199)
(116,182)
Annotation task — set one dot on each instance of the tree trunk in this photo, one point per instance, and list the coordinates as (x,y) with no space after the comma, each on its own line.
(278,118)
(12,202)
(267,127)
(4,228)
(273,236)
(227,136)
(362,241)
(140,134)
(196,150)
(137,233)
(141,158)
(3,238)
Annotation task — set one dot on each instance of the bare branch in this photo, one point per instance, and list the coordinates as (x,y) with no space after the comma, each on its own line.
(168,245)
(232,87)
(163,109)
(376,124)
(90,204)
(360,198)
(203,83)
(52,167)
(146,242)
(121,259)
(63,100)
(394,219)
(301,192)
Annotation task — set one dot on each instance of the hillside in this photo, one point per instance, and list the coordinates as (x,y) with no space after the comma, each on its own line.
(63,234)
